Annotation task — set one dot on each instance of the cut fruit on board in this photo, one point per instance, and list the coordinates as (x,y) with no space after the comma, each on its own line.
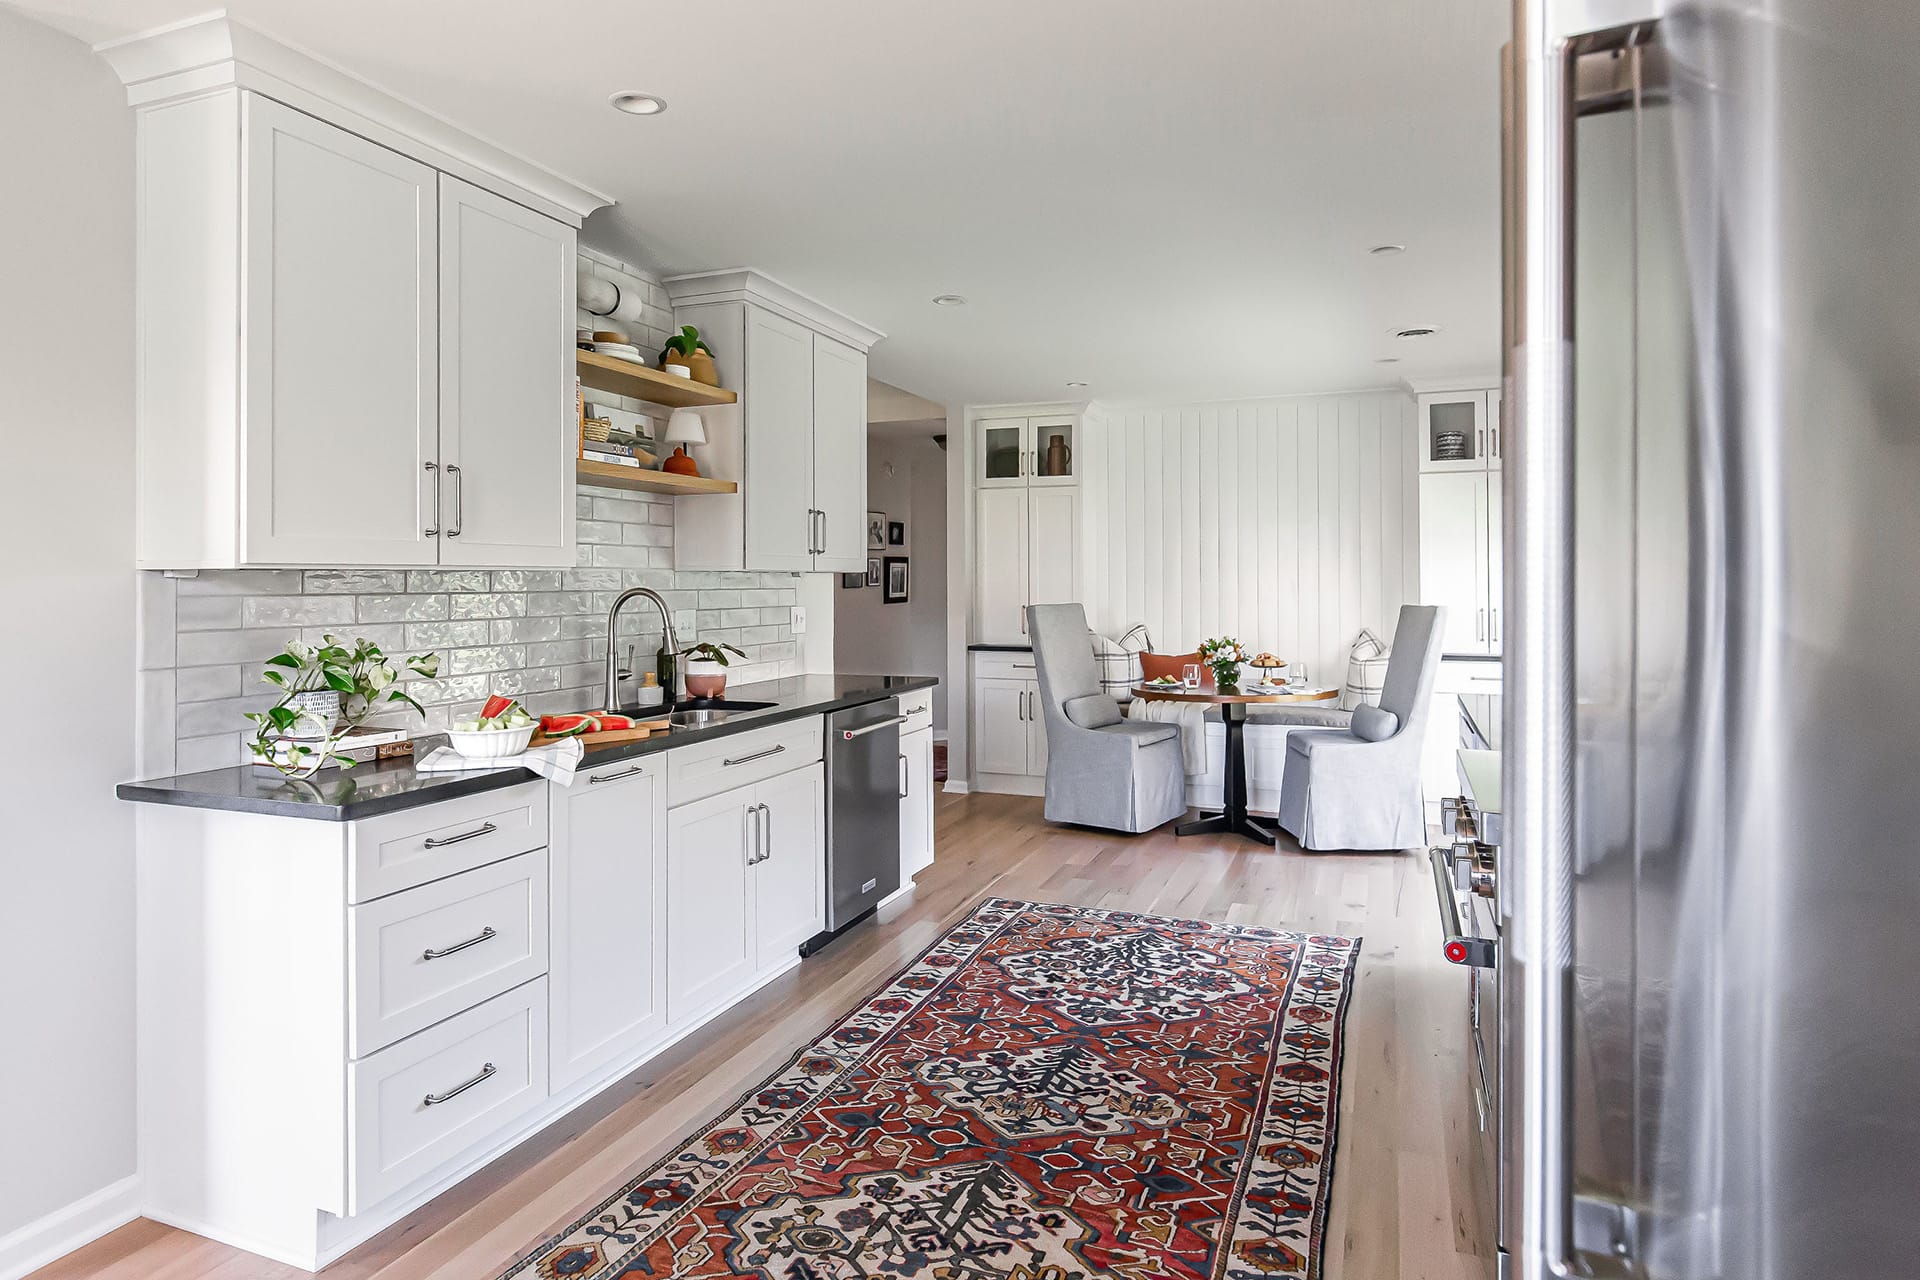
(630,730)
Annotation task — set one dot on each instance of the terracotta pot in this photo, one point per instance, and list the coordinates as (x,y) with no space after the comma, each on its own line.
(705,678)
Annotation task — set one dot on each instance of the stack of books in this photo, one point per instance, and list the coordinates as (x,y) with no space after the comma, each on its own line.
(616,453)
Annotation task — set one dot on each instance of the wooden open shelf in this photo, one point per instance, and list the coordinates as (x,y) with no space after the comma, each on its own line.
(624,378)
(644,481)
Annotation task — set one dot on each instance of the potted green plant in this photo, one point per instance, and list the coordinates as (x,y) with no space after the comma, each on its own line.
(688,348)
(705,668)
(325,691)
(1224,656)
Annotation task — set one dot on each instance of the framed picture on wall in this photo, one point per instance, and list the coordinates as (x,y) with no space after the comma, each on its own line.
(896,533)
(851,581)
(896,585)
(876,530)
(873,571)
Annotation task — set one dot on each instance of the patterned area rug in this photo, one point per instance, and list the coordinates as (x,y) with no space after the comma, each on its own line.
(1047,1093)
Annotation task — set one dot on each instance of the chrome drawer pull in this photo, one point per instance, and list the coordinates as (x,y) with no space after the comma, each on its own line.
(484,829)
(435,1099)
(478,938)
(615,777)
(758,755)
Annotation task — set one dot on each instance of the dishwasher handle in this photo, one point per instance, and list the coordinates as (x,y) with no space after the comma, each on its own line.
(865,729)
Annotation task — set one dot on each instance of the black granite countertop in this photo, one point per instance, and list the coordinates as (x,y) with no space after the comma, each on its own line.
(342,795)
(999,648)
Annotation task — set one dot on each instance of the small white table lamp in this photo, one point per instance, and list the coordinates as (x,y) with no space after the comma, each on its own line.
(684,427)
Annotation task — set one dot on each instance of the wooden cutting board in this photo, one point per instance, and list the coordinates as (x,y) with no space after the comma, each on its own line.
(639,733)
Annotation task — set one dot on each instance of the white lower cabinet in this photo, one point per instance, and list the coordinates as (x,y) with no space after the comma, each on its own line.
(916,803)
(1009,731)
(746,884)
(609,891)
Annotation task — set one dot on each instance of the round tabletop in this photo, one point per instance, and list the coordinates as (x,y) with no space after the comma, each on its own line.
(1180,693)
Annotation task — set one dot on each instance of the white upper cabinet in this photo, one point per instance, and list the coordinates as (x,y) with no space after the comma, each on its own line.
(1016,453)
(340,418)
(353,321)
(1459,430)
(1026,520)
(506,381)
(797,441)
(839,456)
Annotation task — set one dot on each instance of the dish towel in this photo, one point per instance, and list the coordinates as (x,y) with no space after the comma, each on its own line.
(1192,719)
(556,760)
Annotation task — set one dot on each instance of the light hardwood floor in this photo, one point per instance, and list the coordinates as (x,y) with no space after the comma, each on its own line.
(1409,1196)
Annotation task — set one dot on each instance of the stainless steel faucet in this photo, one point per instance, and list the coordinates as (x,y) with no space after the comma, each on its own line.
(613,633)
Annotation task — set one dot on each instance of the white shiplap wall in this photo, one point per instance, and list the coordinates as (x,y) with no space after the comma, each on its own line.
(1288,523)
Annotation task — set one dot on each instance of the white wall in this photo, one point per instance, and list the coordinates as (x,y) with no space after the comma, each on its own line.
(1288,523)
(67,644)
(906,479)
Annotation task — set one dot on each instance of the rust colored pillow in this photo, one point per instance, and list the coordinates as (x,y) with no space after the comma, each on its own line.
(1154,665)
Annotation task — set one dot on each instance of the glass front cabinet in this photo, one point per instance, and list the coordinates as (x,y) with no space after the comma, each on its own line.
(1018,453)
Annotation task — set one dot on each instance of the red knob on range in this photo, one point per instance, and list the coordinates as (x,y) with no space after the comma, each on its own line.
(1456,952)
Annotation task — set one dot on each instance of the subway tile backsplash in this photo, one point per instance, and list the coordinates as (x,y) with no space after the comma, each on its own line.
(536,634)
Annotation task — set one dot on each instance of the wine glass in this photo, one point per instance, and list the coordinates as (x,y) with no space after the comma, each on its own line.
(1297,674)
(1190,675)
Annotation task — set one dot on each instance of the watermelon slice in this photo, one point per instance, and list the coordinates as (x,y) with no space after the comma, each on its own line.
(496,707)
(574,725)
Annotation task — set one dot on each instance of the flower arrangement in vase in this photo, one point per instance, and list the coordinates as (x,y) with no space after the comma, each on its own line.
(1223,656)
(326,690)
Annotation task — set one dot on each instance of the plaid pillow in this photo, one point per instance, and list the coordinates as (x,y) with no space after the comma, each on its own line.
(1366,671)
(1118,662)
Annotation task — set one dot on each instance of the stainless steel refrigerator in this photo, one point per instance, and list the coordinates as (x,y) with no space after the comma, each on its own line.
(1710,885)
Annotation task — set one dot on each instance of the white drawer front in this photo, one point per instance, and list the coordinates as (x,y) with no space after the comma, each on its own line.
(696,772)
(430,952)
(917,707)
(1003,666)
(399,850)
(420,1104)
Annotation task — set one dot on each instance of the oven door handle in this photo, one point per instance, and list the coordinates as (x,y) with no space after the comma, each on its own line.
(1457,945)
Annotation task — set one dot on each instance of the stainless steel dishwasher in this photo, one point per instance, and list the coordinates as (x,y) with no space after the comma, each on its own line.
(864,771)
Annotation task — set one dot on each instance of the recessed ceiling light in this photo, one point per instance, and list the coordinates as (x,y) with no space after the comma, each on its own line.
(1417,331)
(635,103)
(1388,360)
(1076,384)
(1387,250)
(949,300)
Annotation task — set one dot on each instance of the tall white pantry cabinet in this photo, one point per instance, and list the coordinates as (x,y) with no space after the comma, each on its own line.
(353,343)
(1461,447)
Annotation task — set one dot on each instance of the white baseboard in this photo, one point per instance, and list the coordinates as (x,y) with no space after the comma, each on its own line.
(958,786)
(65,1229)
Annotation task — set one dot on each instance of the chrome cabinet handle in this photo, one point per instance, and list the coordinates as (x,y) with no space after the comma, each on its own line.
(484,829)
(766,833)
(905,785)
(459,501)
(848,735)
(615,777)
(758,755)
(751,835)
(435,1099)
(1479,624)
(812,535)
(432,954)
(434,532)
(823,532)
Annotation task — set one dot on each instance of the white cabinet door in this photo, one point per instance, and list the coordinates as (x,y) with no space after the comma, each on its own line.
(507,417)
(916,803)
(789,880)
(1002,453)
(1053,541)
(840,455)
(1496,555)
(1047,465)
(1453,431)
(341,336)
(710,944)
(778,403)
(1453,555)
(1001,735)
(1000,569)
(606,983)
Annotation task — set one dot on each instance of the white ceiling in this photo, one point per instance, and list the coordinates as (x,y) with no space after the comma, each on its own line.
(1167,201)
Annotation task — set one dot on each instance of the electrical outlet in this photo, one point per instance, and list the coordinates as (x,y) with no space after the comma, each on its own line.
(799,620)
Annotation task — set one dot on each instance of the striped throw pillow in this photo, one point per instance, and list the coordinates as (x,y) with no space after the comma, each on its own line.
(1118,662)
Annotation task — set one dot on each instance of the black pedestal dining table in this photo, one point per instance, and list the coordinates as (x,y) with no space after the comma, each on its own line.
(1232,818)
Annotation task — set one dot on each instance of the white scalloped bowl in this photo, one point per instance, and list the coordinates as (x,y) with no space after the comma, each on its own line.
(490,744)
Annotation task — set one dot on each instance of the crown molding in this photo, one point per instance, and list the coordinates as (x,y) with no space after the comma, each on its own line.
(215,52)
(742,284)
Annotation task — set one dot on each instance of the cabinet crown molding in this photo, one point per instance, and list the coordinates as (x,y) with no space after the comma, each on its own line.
(212,52)
(742,284)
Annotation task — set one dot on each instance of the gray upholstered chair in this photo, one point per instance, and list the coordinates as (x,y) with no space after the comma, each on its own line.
(1103,770)
(1359,787)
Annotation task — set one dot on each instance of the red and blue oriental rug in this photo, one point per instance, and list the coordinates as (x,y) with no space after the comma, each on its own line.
(1047,1093)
